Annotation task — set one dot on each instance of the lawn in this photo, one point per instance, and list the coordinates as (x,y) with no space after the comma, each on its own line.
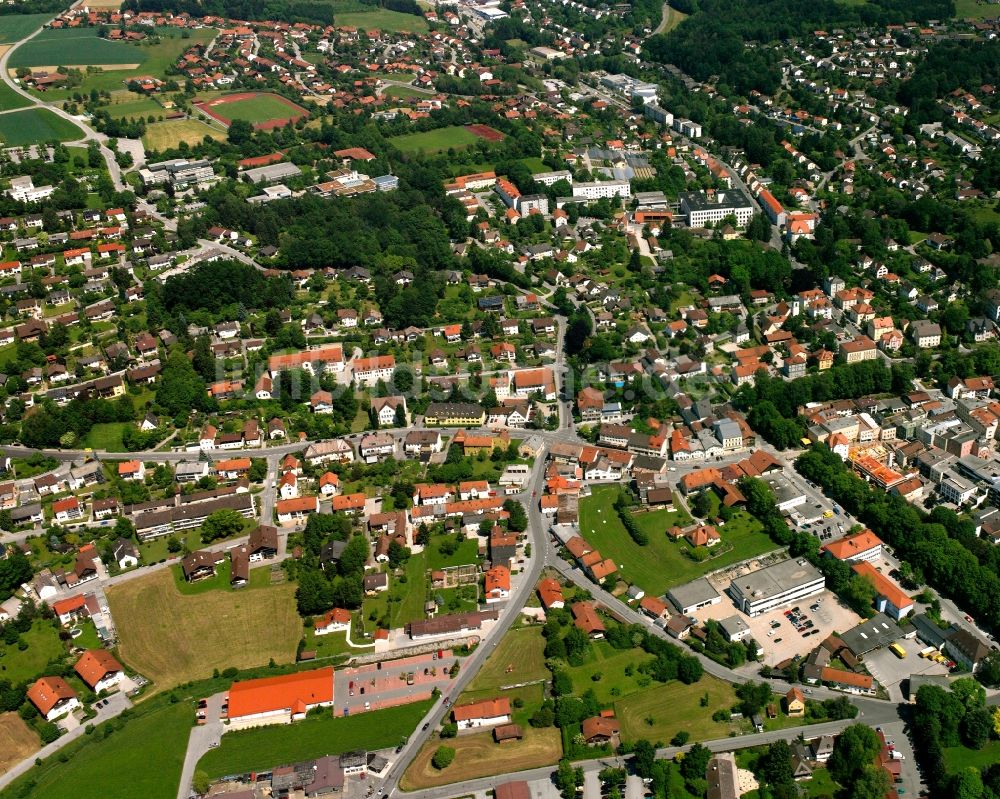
(126,104)
(404,91)
(382,19)
(75,47)
(435,141)
(331,645)
(43,645)
(609,663)
(106,436)
(519,658)
(36,126)
(674,707)
(957,758)
(14,27)
(171,638)
(251,750)
(467,552)
(9,99)
(156,549)
(143,761)
(165,135)
(662,564)
(17,741)
(404,601)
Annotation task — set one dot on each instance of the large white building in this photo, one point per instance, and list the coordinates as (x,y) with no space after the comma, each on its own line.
(603,188)
(780,584)
(702,208)
(24,189)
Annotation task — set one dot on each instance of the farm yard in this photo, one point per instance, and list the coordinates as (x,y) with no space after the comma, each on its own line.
(171,638)
(435,141)
(262,110)
(265,747)
(171,132)
(36,126)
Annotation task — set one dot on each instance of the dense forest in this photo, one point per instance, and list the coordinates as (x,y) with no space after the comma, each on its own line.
(320,13)
(941,548)
(712,42)
(215,285)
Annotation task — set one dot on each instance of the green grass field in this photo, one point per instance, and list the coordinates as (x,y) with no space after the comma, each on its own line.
(519,658)
(382,19)
(164,135)
(973,9)
(76,47)
(609,663)
(662,564)
(266,747)
(467,552)
(404,92)
(9,99)
(435,141)
(674,707)
(106,436)
(14,27)
(957,758)
(262,108)
(142,761)
(36,126)
(43,646)
(126,104)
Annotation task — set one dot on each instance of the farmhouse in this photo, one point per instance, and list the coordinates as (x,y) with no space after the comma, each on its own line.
(279,700)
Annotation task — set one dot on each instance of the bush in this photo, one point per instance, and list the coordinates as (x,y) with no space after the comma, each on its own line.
(449,730)
(443,757)
(680,738)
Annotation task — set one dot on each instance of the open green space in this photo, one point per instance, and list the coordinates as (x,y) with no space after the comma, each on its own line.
(126,104)
(75,47)
(435,141)
(382,19)
(663,563)
(519,658)
(14,27)
(266,747)
(404,601)
(661,711)
(404,91)
(608,665)
(262,108)
(142,760)
(974,9)
(9,99)
(467,552)
(36,126)
(106,436)
(957,758)
(331,645)
(43,645)
(170,133)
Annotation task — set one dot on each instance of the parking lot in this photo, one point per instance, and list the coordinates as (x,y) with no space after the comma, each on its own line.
(778,637)
(369,687)
(891,671)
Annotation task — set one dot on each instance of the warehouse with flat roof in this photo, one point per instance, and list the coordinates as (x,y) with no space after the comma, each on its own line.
(780,584)
(692,596)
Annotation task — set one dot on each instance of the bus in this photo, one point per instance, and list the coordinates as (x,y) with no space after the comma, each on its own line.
(897,650)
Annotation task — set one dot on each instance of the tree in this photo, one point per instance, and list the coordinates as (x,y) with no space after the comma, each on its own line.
(643,757)
(989,670)
(855,747)
(518,521)
(976,726)
(354,557)
(398,554)
(695,762)
(870,783)
(221,524)
(240,131)
(443,757)
(701,504)
(314,593)
(775,765)
(753,697)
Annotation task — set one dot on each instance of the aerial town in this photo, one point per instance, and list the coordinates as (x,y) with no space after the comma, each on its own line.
(500,399)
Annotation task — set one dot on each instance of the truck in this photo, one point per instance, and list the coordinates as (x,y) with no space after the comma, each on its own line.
(927,651)
(897,650)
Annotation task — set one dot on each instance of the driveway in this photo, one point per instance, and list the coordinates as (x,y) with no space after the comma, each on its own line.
(203,737)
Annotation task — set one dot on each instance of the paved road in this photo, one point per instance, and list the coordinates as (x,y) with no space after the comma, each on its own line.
(203,737)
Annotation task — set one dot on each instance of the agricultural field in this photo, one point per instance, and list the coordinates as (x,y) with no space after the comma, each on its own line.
(266,747)
(14,27)
(17,741)
(435,141)
(76,47)
(262,110)
(382,19)
(163,135)
(662,563)
(120,764)
(163,633)
(127,104)
(36,126)
(9,99)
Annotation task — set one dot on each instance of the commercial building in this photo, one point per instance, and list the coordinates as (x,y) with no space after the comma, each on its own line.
(179,173)
(692,596)
(863,546)
(889,597)
(703,208)
(875,633)
(780,584)
(272,173)
(279,700)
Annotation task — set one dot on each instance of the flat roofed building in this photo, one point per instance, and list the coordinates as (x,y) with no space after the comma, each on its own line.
(702,208)
(773,586)
(691,596)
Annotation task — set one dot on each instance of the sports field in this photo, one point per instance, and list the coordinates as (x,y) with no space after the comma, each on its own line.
(263,111)
(141,761)
(36,126)
(75,47)
(381,19)
(316,736)
(14,27)
(164,135)
(435,141)
(662,563)
(171,638)
(17,741)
